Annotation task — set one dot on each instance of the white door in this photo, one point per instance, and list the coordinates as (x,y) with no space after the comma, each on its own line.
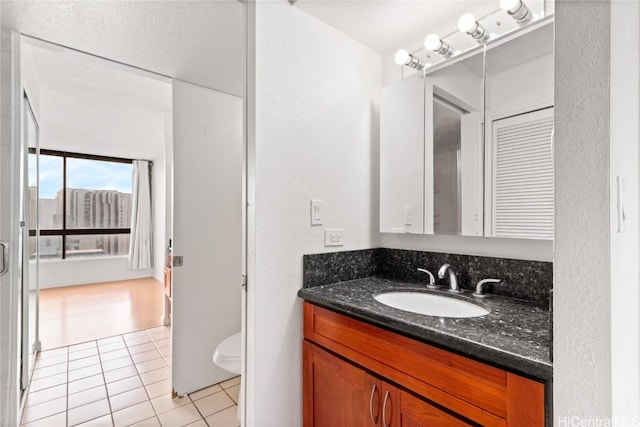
(207,230)
(10,127)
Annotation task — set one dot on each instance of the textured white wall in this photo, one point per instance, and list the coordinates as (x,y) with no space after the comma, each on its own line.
(316,129)
(625,270)
(582,318)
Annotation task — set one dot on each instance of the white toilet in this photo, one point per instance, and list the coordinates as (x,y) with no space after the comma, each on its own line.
(227,357)
(227,354)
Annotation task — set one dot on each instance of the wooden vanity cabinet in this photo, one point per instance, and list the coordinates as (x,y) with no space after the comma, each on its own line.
(356,374)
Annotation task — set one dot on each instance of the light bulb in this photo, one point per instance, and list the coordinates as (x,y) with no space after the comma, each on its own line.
(509,5)
(402,57)
(467,23)
(432,42)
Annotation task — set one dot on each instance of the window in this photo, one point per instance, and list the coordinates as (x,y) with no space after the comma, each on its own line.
(92,216)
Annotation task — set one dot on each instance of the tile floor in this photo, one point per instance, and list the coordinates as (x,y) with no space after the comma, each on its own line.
(121,381)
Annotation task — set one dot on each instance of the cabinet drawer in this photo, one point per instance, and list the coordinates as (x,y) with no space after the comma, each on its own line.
(473,389)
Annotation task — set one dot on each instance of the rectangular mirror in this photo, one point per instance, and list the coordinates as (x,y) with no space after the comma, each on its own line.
(466,149)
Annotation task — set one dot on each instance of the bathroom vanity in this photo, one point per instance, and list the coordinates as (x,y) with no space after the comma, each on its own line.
(366,363)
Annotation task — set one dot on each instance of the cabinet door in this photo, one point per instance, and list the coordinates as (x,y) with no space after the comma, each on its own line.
(415,412)
(336,393)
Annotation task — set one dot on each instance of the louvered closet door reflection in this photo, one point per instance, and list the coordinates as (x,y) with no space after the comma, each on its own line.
(522,205)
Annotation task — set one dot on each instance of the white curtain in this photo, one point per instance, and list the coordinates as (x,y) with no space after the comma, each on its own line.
(141,221)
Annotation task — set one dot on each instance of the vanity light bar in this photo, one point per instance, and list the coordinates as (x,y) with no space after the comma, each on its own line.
(468,24)
(435,43)
(405,58)
(517,10)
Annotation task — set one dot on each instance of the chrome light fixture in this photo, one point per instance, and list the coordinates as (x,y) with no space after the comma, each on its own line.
(436,44)
(405,58)
(468,24)
(517,10)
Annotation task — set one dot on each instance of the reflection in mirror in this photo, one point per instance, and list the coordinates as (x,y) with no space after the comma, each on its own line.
(454,113)
(519,154)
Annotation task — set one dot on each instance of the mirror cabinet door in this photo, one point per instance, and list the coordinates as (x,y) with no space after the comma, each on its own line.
(402,157)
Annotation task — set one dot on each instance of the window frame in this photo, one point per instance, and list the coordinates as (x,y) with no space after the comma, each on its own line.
(64,231)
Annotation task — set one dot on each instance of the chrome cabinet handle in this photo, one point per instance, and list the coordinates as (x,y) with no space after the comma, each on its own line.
(384,409)
(374,419)
(5,264)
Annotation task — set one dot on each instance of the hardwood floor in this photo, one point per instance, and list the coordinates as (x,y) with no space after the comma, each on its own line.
(76,314)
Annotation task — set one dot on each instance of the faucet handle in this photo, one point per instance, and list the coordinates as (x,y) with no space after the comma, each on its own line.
(479,292)
(432,280)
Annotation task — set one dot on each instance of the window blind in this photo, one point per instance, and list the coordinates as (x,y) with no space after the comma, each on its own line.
(523,176)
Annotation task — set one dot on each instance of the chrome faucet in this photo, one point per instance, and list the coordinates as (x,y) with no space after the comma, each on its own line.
(432,280)
(453,281)
(479,292)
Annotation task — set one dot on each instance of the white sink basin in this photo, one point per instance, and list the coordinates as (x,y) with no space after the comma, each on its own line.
(431,305)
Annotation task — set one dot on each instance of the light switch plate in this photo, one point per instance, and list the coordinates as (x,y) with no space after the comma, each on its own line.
(334,237)
(316,212)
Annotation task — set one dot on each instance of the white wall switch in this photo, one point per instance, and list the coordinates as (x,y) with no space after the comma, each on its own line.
(333,237)
(316,212)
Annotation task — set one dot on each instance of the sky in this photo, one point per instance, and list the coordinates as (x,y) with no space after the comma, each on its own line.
(81,173)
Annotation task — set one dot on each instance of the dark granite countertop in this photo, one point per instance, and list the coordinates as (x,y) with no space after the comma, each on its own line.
(513,336)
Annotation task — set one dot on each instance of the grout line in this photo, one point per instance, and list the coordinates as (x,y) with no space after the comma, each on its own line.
(66,421)
(198,409)
(104,380)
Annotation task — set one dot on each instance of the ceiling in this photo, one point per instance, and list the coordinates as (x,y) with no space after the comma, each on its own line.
(90,105)
(198,41)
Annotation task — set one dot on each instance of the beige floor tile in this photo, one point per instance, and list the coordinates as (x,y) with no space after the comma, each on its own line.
(84,362)
(106,348)
(116,354)
(83,346)
(60,368)
(155,376)
(50,361)
(122,386)
(160,335)
(225,418)
(151,365)
(87,396)
(128,398)
(134,334)
(164,342)
(165,403)
(54,420)
(121,362)
(133,341)
(46,395)
(149,422)
(168,359)
(147,355)
(81,373)
(179,417)
(205,392)
(160,388)
(43,410)
(233,392)
(87,412)
(141,348)
(81,354)
(133,414)
(199,423)
(104,421)
(165,351)
(85,384)
(110,340)
(231,382)
(120,374)
(214,403)
(53,380)
(158,329)
(52,353)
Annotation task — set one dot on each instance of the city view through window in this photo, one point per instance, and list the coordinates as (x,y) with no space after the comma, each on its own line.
(91,218)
